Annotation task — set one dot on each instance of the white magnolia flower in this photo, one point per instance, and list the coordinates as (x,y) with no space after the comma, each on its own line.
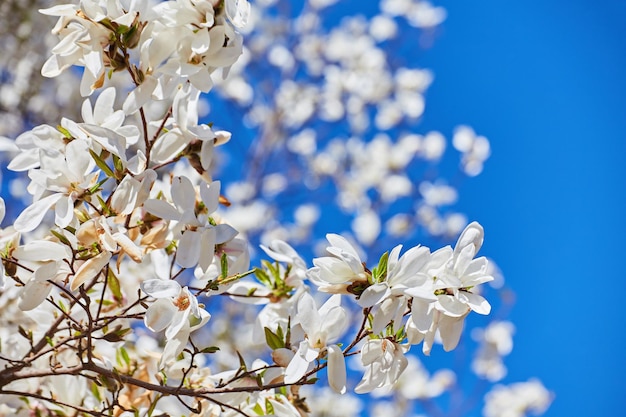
(404,273)
(197,236)
(49,261)
(103,114)
(517,400)
(176,311)
(335,273)
(462,273)
(454,276)
(62,179)
(186,130)
(320,327)
(282,252)
(384,362)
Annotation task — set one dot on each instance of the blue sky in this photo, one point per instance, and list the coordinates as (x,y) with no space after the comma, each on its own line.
(544,81)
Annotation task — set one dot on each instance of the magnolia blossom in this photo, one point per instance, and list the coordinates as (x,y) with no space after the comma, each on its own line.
(384,362)
(334,273)
(176,311)
(320,328)
(63,178)
(455,274)
(197,236)
(404,273)
(132,193)
(48,260)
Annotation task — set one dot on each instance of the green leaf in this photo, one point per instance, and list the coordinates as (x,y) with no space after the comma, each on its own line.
(262,276)
(224,266)
(61,238)
(102,164)
(96,187)
(273,340)
(258,409)
(124,356)
(117,335)
(118,164)
(380,272)
(210,349)
(95,391)
(242,365)
(64,131)
(114,286)
(105,209)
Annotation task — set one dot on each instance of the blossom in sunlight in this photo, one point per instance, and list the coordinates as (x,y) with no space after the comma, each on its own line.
(404,272)
(320,327)
(334,273)
(496,341)
(48,260)
(384,362)
(455,275)
(106,272)
(61,180)
(197,236)
(176,311)
(517,400)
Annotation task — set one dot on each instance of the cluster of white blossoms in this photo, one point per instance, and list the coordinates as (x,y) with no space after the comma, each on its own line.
(334,114)
(125,283)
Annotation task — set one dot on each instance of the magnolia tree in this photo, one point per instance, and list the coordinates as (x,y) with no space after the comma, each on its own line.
(127,287)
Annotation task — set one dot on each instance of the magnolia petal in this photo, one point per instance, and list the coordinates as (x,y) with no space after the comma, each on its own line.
(90,269)
(41,251)
(207,249)
(180,320)
(140,95)
(33,294)
(104,105)
(210,194)
(421,314)
(371,351)
(308,314)
(332,270)
(472,235)
(129,247)
(188,252)
(224,233)
(195,322)
(161,209)
(409,265)
(183,194)
(373,295)
(477,303)
(33,215)
(174,347)
(107,138)
(159,288)
(336,369)
(450,329)
(282,252)
(64,211)
(238,12)
(300,363)
(125,195)
(168,146)
(282,356)
(342,243)
(159,315)
(206,154)
(451,306)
